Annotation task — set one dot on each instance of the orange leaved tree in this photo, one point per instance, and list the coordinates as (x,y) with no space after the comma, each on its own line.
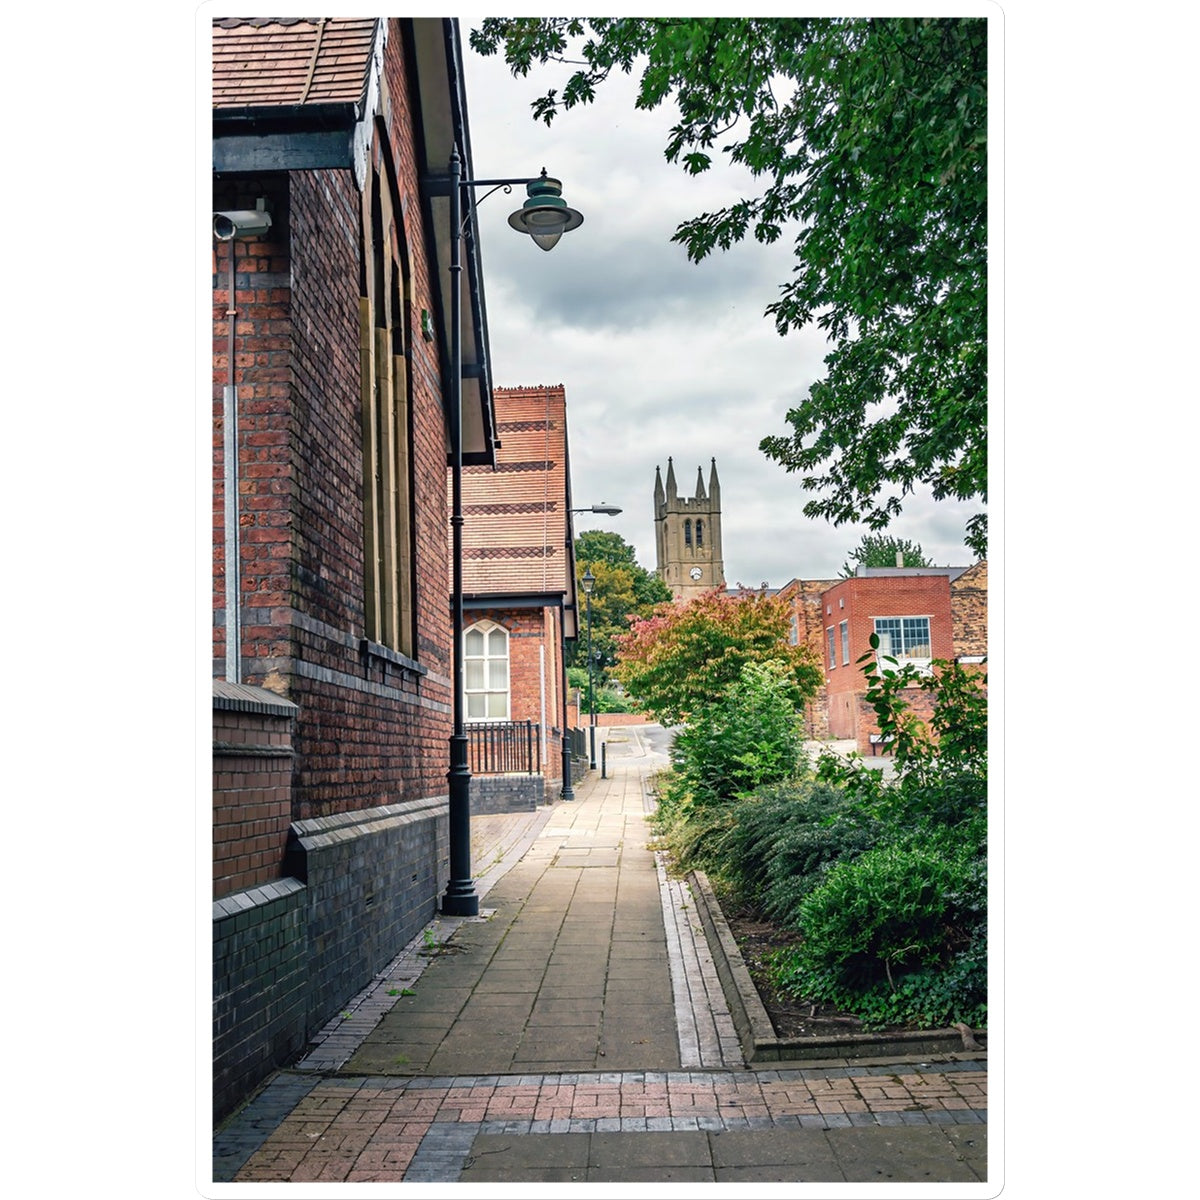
(683,658)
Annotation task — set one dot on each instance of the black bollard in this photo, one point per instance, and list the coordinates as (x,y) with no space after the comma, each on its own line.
(603,760)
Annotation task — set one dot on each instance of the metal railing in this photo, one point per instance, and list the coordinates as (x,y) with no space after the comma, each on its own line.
(579,753)
(504,747)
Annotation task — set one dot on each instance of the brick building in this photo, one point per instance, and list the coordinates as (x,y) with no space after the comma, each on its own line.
(519,601)
(332,704)
(919,613)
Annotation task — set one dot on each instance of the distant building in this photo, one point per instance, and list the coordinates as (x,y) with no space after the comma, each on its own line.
(687,534)
(918,613)
(519,602)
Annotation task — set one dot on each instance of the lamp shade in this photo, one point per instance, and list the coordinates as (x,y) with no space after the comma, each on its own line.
(545,215)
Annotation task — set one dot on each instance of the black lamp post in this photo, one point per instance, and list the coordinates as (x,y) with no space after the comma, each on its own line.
(607,510)
(589,581)
(545,217)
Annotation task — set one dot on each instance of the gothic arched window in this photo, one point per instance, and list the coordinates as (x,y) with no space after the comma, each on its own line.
(485,666)
(687,533)
(699,533)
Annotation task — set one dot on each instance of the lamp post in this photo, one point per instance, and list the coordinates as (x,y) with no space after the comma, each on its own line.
(589,582)
(545,217)
(608,510)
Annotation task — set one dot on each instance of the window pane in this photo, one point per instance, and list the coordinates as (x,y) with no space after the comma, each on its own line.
(888,630)
(473,674)
(474,642)
(916,637)
(498,644)
(476,708)
(498,675)
(497,705)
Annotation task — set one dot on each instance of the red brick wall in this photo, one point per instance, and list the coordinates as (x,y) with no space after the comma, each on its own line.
(252,802)
(529,630)
(804,598)
(370,731)
(858,601)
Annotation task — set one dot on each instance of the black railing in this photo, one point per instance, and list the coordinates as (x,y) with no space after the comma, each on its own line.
(579,754)
(504,747)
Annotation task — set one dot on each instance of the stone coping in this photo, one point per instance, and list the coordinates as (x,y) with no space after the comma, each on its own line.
(755,1031)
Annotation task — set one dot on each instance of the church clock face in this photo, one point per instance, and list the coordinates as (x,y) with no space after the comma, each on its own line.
(695,572)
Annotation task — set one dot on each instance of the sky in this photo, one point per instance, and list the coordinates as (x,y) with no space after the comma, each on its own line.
(659,356)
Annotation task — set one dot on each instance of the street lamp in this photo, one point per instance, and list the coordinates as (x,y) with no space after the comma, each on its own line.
(607,510)
(545,217)
(589,582)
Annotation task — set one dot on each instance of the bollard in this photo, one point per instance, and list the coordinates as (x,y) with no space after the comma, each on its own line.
(603,760)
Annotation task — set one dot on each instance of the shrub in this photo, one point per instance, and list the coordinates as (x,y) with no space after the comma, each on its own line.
(747,738)
(782,839)
(898,934)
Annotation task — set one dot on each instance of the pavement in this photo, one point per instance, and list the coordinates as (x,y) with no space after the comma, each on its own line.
(576,1032)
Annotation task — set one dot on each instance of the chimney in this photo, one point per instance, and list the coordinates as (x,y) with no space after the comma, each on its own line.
(899,558)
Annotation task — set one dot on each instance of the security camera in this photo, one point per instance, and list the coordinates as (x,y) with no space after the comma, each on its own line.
(245,223)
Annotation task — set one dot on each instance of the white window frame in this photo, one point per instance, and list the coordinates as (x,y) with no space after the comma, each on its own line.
(844,630)
(831,639)
(487,690)
(909,638)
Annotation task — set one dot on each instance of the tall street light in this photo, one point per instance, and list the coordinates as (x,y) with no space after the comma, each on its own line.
(607,510)
(545,217)
(589,582)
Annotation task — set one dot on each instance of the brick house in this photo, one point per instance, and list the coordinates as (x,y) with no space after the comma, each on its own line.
(332,689)
(920,613)
(519,601)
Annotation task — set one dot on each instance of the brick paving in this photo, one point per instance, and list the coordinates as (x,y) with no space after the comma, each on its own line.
(712,1119)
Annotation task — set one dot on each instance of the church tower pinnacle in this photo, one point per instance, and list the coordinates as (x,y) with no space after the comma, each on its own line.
(687,534)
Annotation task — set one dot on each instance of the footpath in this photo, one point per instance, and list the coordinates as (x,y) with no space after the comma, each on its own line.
(576,1032)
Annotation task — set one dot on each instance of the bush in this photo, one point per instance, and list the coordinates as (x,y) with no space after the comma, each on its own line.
(782,840)
(896,935)
(748,738)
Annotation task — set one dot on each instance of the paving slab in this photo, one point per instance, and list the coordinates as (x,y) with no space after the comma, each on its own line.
(576,1032)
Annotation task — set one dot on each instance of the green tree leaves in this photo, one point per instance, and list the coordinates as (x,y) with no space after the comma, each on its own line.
(623,590)
(870,139)
(879,550)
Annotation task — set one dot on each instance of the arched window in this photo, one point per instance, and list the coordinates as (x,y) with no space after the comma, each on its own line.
(485,670)
(687,533)
(383,334)
(699,534)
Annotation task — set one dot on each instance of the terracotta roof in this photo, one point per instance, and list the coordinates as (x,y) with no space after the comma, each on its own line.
(261,62)
(516,516)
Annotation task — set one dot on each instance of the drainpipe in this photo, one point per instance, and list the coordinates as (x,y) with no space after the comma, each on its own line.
(233,538)
(231,227)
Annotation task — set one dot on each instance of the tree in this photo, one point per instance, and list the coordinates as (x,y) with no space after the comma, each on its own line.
(870,135)
(879,550)
(622,590)
(682,659)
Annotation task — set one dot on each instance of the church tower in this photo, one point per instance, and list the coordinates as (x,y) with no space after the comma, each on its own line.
(687,534)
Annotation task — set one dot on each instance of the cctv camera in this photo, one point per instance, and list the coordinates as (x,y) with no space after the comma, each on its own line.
(246,223)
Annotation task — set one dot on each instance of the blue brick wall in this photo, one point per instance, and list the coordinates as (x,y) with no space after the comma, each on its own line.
(287,955)
(373,881)
(260,1003)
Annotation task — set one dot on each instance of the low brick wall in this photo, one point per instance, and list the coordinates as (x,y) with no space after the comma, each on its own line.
(507,793)
(583,720)
(251,785)
(260,998)
(373,879)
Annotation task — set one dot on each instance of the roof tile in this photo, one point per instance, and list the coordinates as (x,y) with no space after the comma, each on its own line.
(517,523)
(263,62)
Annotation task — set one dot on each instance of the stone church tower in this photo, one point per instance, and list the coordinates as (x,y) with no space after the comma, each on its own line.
(687,534)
